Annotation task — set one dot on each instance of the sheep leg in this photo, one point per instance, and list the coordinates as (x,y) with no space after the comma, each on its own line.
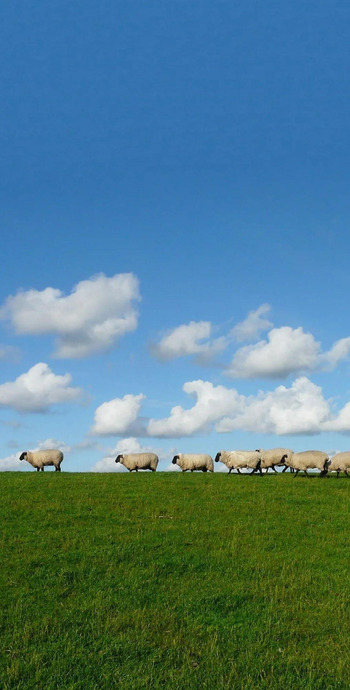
(346,473)
(296,473)
(338,473)
(306,472)
(204,469)
(238,470)
(42,469)
(274,469)
(285,469)
(230,470)
(38,469)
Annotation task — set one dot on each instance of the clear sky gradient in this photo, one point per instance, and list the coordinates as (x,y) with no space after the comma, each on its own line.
(200,150)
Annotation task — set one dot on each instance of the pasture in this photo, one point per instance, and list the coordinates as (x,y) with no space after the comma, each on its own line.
(174,581)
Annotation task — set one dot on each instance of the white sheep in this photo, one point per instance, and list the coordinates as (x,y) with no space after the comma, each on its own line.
(273,457)
(138,461)
(239,459)
(308,460)
(43,458)
(340,463)
(194,461)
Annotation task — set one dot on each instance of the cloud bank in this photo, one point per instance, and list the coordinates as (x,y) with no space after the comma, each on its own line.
(298,409)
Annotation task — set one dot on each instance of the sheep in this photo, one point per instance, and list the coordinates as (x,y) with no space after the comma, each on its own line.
(43,458)
(138,461)
(194,461)
(273,457)
(239,459)
(308,460)
(340,463)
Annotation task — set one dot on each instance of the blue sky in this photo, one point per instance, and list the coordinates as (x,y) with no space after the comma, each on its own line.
(167,170)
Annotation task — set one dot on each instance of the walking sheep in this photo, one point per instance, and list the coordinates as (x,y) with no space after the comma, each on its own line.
(138,461)
(239,459)
(43,458)
(193,461)
(273,457)
(308,460)
(340,463)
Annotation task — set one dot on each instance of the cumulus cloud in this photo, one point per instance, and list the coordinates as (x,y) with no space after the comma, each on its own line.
(37,390)
(187,339)
(119,416)
(126,445)
(298,409)
(340,422)
(212,403)
(91,318)
(286,351)
(253,324)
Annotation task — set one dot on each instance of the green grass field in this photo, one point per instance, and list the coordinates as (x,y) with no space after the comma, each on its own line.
(174,581)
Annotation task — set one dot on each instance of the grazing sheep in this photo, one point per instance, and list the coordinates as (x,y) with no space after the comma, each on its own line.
(308,460)
(239,459)
(194,461)
(138,461)
(340,463)
(43,458)
(273,457)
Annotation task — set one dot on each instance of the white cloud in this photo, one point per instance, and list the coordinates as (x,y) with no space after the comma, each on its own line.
(341,422)
(187,339)
(253,324)
(49,443)
(12,464)
(287,351)
(37,390)
(92,318)
(126,445)
(300,409)
(213,402)
(118,416)
(336,354)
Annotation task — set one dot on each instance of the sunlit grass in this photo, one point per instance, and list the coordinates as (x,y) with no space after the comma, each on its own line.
(174,581)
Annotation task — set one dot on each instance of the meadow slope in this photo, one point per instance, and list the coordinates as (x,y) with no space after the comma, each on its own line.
(174,581)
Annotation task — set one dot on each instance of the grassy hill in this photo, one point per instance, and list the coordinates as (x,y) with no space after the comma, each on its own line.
(174,581)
